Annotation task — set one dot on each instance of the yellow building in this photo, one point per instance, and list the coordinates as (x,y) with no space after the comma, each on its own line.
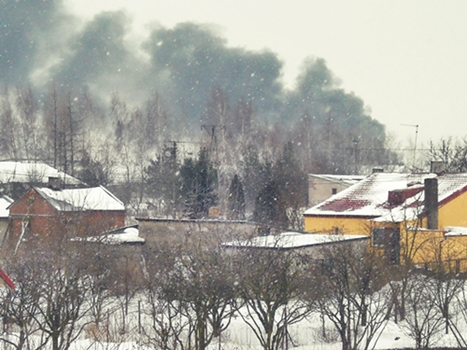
(421,218)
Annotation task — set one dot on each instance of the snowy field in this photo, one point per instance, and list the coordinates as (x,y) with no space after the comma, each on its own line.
(306,335)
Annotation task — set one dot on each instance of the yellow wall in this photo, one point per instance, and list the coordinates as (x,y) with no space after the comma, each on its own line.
(454,213)
(345,225)
(431,246)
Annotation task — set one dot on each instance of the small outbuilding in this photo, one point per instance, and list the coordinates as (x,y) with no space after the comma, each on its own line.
(314,245)
(79,212)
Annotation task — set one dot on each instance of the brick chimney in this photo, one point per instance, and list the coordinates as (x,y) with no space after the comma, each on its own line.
(397,197)
(431,203)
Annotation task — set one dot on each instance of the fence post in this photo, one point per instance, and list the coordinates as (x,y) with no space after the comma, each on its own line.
(139,317)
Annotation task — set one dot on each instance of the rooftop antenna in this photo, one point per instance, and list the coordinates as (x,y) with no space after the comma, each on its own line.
(415,143)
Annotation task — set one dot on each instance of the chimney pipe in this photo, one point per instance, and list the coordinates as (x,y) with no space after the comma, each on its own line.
(431,203)
(55,183)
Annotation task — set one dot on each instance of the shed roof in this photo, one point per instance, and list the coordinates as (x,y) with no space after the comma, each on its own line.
(81,199)
(369,197)
(121,235)
(292,240)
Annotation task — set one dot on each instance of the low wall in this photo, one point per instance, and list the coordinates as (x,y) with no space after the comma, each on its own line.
(168,231)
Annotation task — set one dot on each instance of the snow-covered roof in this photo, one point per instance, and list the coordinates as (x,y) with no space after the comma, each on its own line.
(5,202)
(126,235)
(455,231)
(291,240)
(342,179)
(369,197)
(27,172)
(81,199)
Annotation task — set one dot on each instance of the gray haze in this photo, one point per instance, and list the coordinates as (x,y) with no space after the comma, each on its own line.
(43,44)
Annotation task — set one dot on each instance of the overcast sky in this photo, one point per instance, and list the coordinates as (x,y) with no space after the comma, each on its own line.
(406,59)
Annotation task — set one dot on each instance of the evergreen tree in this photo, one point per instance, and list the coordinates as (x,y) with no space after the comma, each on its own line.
(255,174)
(163,181)
(267,210)
(93,172)
(236,201)
(292,183)
(198,185)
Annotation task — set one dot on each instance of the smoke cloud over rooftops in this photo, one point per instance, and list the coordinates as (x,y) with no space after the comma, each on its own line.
(41,43)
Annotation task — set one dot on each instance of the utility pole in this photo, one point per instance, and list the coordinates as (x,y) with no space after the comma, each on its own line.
(355,141)
(211,130)
(415,143)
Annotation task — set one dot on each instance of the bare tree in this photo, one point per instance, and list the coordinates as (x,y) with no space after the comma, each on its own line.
(62,305)
(197,284)
(27,107)
(353,298)
(447,283)
(460,308)
(273,284)
(452,152)
(8,136)
(168,328)
(62,125)
(407,241)
(98,280)
(157,123)
(126,284)
(50,121)
(21,306)
(423,319)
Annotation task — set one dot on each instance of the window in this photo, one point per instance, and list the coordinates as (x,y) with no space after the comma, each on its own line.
(389,240)
(378,237)
(334,190)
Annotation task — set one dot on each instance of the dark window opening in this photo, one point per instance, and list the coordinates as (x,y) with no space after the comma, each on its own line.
(389,240)
(378,237)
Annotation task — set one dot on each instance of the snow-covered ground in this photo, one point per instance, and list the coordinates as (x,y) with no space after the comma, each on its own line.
(125,330)
(306,335)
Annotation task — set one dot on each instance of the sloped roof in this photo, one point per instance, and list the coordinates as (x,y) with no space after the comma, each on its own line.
(369,197)
(26,172)
(81,199)
(341,179)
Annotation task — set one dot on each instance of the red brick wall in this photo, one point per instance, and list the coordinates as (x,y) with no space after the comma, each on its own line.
(32,206)
(91,223)
(32,202)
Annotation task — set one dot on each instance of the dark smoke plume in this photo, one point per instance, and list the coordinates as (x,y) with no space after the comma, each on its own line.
(40,43)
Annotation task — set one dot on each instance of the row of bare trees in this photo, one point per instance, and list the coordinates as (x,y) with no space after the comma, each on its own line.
(113,143)
(190,296)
